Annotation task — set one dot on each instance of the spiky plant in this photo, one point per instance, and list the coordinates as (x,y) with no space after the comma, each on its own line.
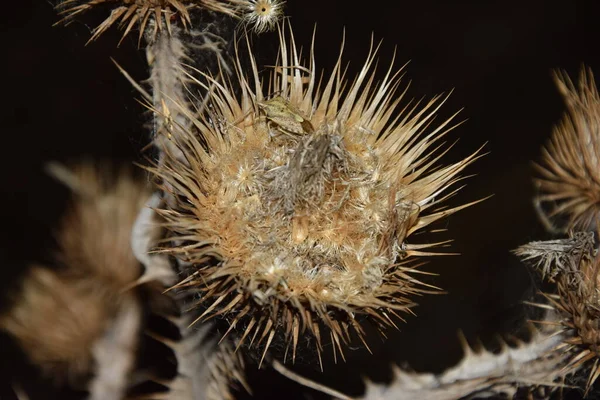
(294,211)
(177,32)
(159,15)
(568,201)
(82,323)
(569,173)
(576,304)
(85,297)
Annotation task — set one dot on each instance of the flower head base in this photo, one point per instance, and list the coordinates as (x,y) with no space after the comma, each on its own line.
(305,200)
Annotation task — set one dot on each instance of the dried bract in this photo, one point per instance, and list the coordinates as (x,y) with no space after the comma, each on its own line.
(295,213)
(552,257)
(569,181)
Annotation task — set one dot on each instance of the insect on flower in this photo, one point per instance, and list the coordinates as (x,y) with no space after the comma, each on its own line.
(296,236)
(284,116)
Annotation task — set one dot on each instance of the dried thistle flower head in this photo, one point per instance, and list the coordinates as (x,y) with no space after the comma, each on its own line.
(575,270)
(95,235)
(578,302)
(60,316)
(295,210)
(158,15)
(569,181)
(57,319)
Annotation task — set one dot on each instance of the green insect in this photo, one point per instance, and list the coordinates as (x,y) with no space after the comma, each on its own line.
(284,117)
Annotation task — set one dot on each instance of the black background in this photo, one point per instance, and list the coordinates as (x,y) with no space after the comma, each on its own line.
(63,100)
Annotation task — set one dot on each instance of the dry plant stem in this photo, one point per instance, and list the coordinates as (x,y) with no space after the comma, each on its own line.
(295,211)
(479,373)
(114,353)
(145,234)
(205,371)
(307,382)
(165,56)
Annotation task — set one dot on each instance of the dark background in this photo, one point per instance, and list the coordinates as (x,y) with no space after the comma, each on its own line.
(64,100)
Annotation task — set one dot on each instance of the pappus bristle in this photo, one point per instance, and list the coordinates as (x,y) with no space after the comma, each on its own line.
(263,15)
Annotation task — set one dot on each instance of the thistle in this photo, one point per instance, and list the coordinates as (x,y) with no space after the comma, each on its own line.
(62,318)
(294,211)
(159,15)
(569,181)
(575,305)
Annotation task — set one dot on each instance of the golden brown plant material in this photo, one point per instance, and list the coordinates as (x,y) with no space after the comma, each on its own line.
(56,320)
(58,315)
(295,210)
(153,16)
(95,233)
(576,301)
(569,180)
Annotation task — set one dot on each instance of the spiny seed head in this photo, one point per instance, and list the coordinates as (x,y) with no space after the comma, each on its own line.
(305,200)
(160,14)
(569,181)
